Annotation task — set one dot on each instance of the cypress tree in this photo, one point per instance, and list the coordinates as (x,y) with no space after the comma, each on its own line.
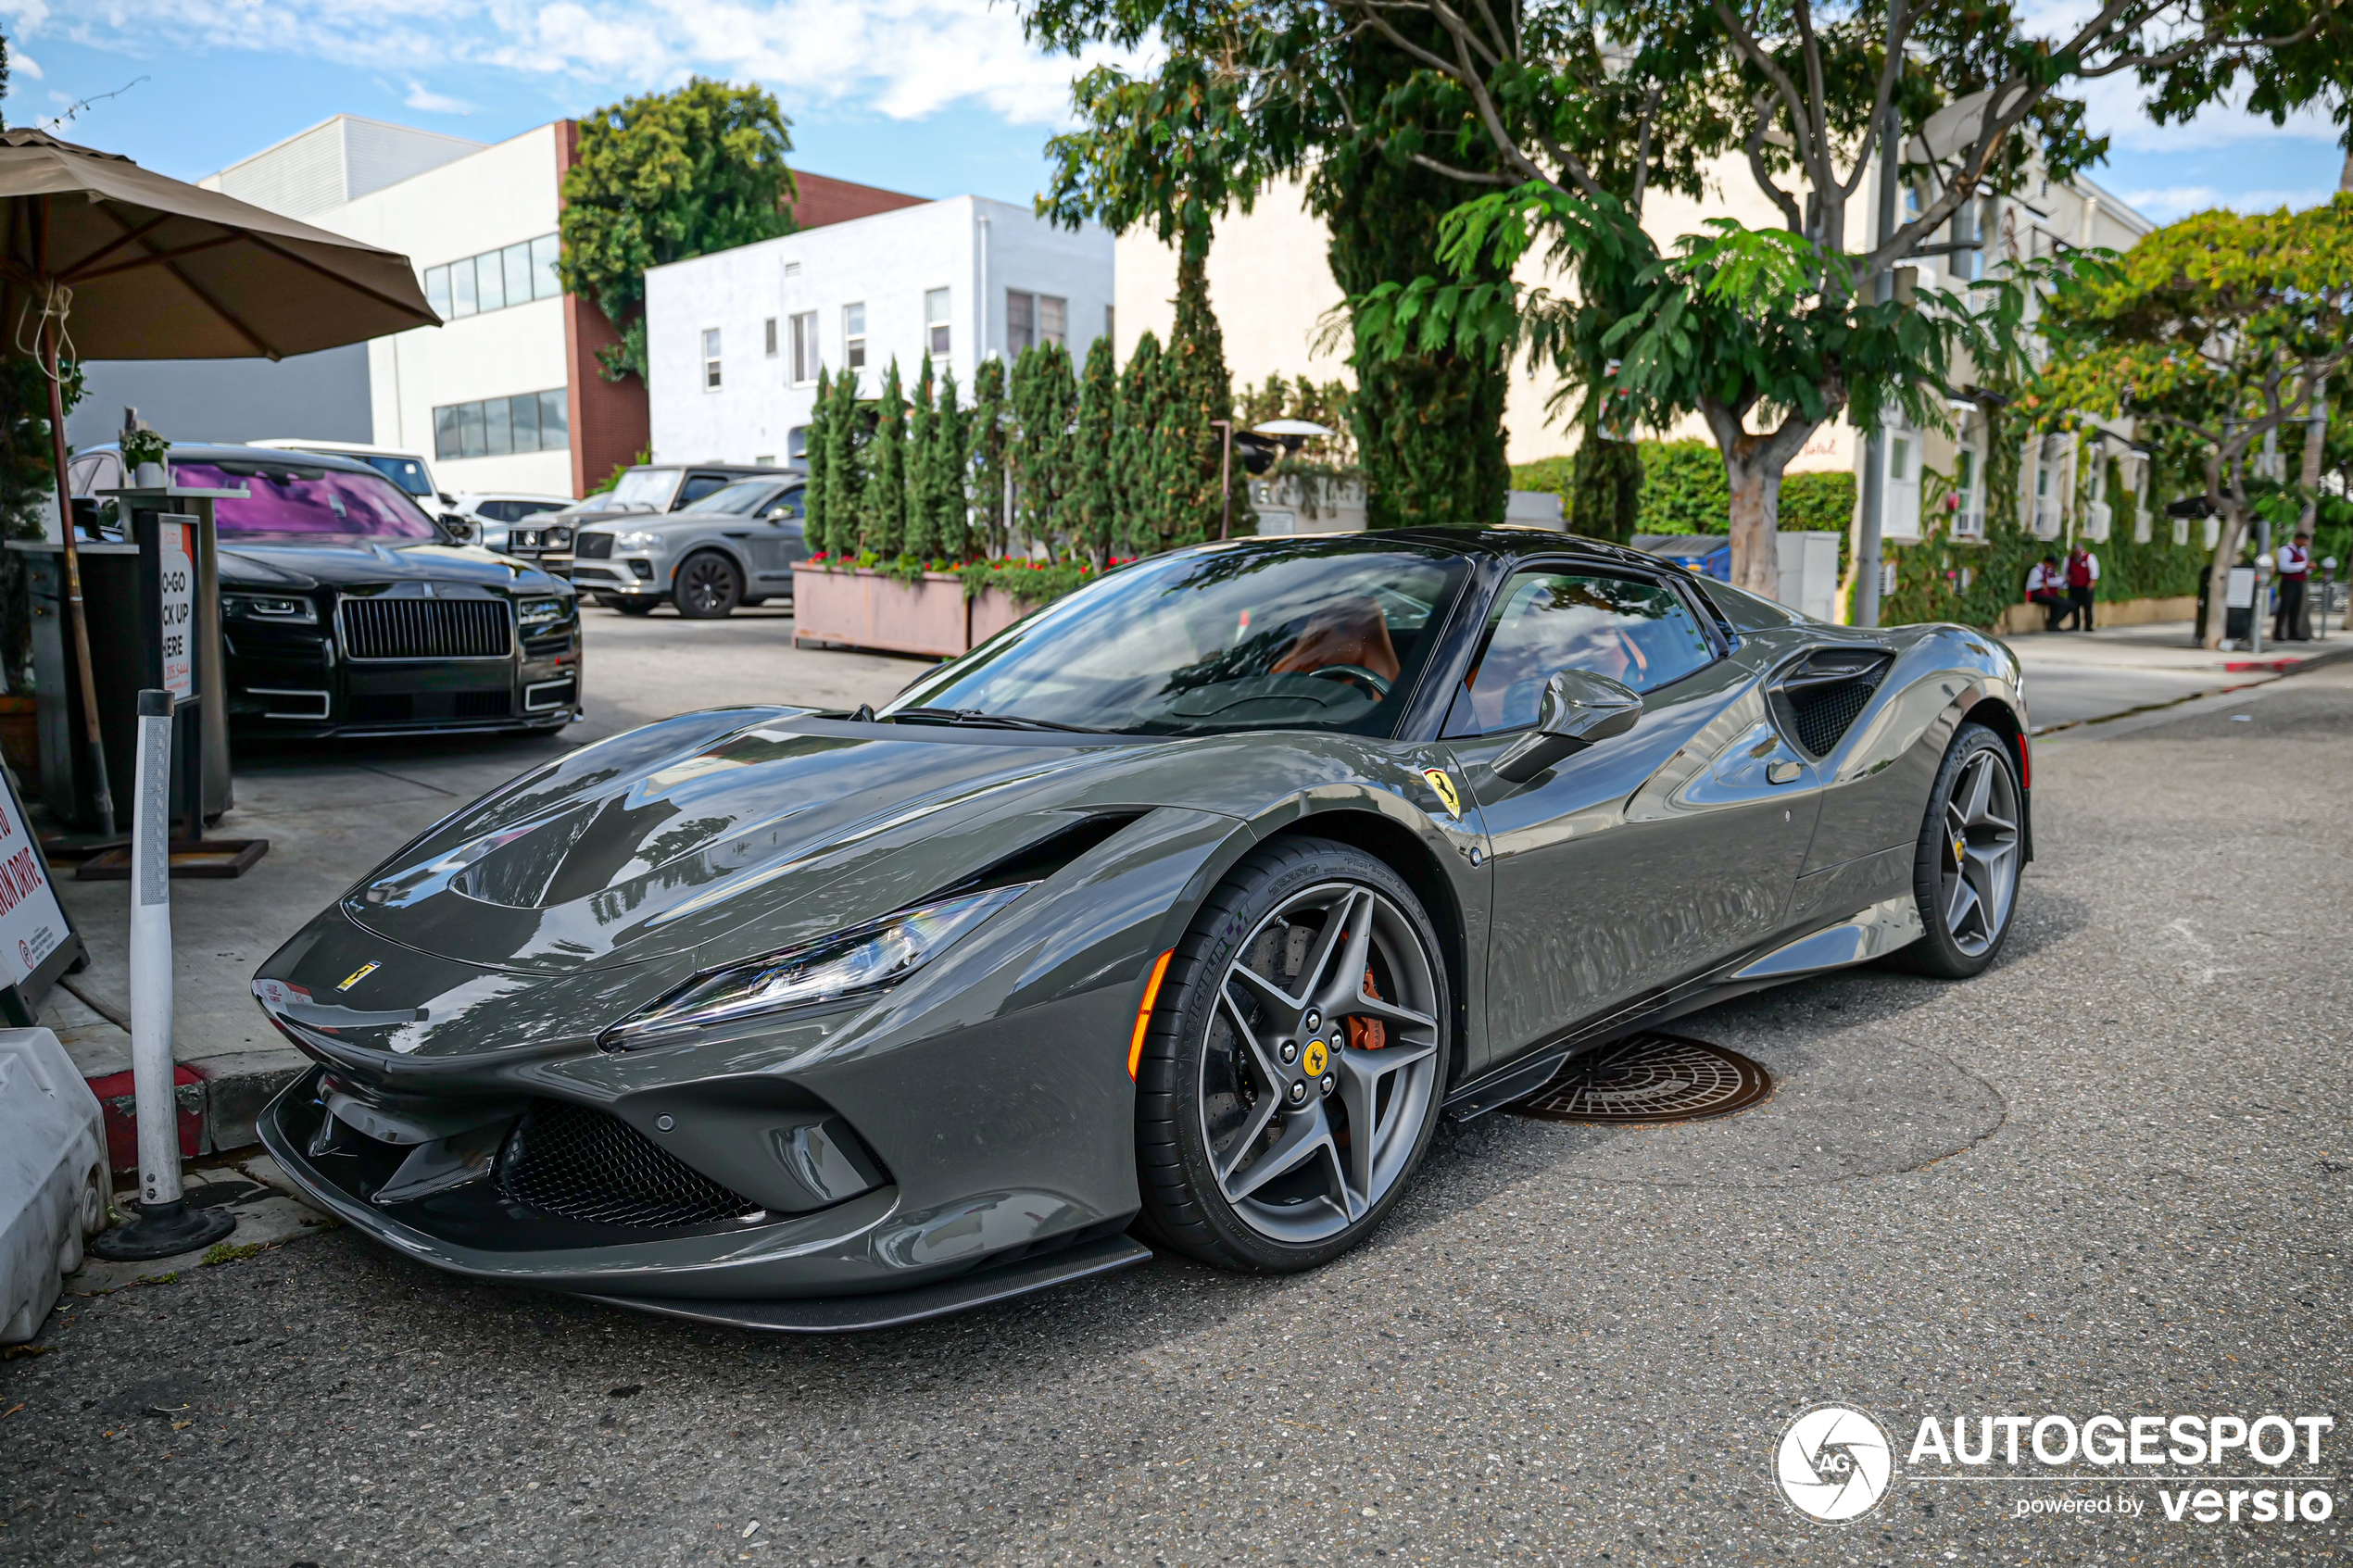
(919,539)
(990,440)
(813,513)
(1137,452)
(886,498)
(1094,492)
(951,457)
(1605,488)
(1429,428)
(845,468)
(1045,392)
(1199,393)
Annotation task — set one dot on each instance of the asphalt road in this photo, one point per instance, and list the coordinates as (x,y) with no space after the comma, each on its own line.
(2110,1176)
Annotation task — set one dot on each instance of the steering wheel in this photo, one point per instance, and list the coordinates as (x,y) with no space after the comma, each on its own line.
(1356,673)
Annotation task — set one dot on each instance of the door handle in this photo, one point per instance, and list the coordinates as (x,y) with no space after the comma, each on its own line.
(1782,772)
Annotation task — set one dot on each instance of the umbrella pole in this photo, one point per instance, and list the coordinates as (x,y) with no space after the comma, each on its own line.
(81,622)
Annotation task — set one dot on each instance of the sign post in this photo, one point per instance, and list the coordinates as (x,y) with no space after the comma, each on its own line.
(165,1224)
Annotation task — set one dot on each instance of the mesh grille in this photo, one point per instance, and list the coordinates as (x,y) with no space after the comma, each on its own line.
(593,546)
(586,1165)
(1823,713)
(387,628)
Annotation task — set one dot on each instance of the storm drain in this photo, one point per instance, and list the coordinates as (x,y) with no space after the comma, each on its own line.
(1650,1078)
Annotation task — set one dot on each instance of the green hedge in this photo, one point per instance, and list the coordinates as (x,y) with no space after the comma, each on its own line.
(1684,491)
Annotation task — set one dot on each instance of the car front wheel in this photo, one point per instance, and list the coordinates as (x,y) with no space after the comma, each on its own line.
(1292,1070)
(708,586)
(1965,872)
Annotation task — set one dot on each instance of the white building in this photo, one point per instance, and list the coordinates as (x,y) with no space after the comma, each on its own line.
(505,394)
(735,340)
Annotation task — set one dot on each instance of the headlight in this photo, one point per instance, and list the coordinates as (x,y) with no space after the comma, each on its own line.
(637,539)
(255,607)
(534,613)
(864,957)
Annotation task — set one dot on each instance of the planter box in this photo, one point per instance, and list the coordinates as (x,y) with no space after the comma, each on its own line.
(864,609)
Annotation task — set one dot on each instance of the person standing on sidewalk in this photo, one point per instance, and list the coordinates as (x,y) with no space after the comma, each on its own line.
(2083,578)
(2046,585)
(2291,622)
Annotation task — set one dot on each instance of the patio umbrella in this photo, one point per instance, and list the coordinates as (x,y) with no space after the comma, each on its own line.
(102,259)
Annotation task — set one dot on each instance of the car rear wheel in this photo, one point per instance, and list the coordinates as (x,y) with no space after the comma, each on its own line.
(708,586)
(1965,873)
(1292,1070)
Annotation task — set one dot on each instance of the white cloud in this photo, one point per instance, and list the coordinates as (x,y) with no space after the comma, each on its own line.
(2168,202)
(423,98)
(23,64)
(905,59)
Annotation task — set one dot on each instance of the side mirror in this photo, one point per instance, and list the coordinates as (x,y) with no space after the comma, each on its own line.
(1577,710)
(462,531)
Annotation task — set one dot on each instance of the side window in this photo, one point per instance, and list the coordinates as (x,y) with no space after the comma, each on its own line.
(1633,631)
(788,503)
(698,486)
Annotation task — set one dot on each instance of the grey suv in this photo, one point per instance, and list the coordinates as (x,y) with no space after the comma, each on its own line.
(733,544)
(730,547)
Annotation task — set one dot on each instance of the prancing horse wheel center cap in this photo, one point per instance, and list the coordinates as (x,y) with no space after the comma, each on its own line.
(1315,1059)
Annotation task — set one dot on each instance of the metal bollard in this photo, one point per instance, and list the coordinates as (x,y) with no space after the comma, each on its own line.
(165,1224)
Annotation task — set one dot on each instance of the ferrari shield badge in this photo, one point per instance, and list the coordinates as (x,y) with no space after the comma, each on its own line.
(1445,788)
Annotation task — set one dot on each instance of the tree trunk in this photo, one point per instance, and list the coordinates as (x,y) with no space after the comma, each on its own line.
(1756,523)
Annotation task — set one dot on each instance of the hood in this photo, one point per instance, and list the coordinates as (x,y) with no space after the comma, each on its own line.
(334,563)
(733,832)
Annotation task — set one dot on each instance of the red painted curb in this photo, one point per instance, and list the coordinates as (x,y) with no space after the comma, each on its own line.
(120,1104)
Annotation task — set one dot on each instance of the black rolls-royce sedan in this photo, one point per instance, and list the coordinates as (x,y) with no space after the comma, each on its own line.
(346,611)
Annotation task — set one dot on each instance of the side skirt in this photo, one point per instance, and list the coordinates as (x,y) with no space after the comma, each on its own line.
(851,1315)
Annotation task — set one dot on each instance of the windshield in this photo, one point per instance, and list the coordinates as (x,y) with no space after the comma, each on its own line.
(406,472)
(1322,635)
(645,490)
(290,497)
(739,499)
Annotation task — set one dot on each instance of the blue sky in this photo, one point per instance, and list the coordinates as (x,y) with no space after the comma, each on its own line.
(936,97)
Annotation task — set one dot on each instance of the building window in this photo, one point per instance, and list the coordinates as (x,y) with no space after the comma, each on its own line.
(796,444)
(771,333)
(499,427)
(804,348)
(1900,497)
(1111,323)
(936,321)
(515,274)
(1969,494)
(854,336)
(765,460)
(792,269)
(710,359)
(1021,322)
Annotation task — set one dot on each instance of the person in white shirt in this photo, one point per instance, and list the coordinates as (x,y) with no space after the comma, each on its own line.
(2046,586)
(2291,620)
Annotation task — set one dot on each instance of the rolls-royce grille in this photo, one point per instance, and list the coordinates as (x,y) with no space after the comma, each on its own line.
(588,1165)
(389,628)
(593,546)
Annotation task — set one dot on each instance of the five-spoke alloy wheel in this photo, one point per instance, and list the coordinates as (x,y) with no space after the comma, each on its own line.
(1292,1072)
(1972,849)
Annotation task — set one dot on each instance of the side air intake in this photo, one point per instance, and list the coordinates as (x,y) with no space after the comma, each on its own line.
(1823,695)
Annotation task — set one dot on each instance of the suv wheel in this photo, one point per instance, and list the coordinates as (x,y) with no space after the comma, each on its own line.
(707,587)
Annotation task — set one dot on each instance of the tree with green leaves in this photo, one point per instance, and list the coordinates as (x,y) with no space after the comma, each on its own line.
(1142,461)
(1198,405)
(1094,491)
(844,434)
(921,537)
(944,468)
(1765,333)
(884,514)
(1045,396)
(814,517)
(990,470)
(664,177)
(1605,493)
(2224,327)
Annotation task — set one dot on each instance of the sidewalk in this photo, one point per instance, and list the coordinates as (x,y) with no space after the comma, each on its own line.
(2086,677)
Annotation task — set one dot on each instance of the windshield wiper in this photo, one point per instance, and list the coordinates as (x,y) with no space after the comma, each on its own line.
(989,721)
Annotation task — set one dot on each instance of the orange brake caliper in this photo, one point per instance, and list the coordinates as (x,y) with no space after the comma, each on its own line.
(1368,1034)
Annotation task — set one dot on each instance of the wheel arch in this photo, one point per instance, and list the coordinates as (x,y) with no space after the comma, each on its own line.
(719,547)
(1403,851)
(2002,719)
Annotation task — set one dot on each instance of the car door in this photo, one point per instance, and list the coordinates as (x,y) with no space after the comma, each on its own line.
(775,541)
(1647,857)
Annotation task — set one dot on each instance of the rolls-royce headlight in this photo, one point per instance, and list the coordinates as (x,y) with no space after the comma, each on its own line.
(637,539)
(533,614)
(260,607)
(863,959)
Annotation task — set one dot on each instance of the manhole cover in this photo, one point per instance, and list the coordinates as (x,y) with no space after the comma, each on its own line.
(1650,1078)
